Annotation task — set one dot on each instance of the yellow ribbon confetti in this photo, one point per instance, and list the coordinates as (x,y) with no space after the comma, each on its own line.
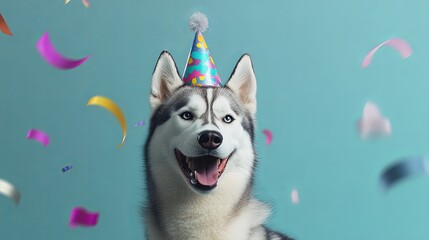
(66,1)
(114,109)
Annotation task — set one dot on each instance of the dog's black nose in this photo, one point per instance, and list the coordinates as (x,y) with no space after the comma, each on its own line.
(210,139)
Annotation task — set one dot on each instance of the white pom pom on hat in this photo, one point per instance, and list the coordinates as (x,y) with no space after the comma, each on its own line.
(198,22)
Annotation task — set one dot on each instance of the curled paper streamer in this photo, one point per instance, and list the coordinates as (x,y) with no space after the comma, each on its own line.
(39,136)
(398,44)
(402,169)
(9,191)
(86,3)
(268,135)
(81,217)
(66,168)
(66,1)
(53,57)
(114,109)
(372,123)
(294,196)
(141,123)
(3,26)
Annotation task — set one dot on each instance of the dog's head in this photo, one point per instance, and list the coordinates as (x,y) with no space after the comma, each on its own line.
(201,135)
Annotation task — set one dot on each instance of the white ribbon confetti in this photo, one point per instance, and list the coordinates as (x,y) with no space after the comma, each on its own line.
(9,191)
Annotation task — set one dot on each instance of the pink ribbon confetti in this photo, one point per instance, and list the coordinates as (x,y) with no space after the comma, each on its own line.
(39,136)
(373,123)
(294,196)
(86,3)
(53,57)
(268,135)
(80,216)
(398,44)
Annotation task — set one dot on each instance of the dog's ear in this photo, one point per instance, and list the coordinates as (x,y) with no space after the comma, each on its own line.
(243,82)
(165,80)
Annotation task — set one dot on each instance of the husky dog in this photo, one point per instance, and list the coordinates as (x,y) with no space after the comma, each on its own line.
(200,159)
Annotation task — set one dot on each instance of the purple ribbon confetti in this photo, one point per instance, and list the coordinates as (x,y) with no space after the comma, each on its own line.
(39,136)
(80,216)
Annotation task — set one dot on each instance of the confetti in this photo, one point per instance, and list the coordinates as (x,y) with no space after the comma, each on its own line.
(53,57)
(86,3)
(9,191)
(112,107)
(66,168)
(3,26)
(39,136)
(141,123)
(402,169)
(80,216)
(268,135)
(294,196)
(400,45)
(372,123)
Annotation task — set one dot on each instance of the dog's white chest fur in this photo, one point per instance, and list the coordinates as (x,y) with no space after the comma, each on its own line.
(213,219)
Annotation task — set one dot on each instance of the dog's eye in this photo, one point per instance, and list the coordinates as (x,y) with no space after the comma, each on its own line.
(186,116)
(228,119)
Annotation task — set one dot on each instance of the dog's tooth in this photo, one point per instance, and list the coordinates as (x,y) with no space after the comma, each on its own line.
(193,178)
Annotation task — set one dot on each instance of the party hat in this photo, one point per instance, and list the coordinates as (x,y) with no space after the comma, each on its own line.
(200,69)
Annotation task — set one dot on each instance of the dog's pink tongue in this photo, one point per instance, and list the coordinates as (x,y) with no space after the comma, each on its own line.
(207,176)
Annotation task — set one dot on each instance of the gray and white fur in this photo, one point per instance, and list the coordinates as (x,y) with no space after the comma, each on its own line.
(200,159)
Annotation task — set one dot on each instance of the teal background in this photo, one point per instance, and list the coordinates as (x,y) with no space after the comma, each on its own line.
(311,92)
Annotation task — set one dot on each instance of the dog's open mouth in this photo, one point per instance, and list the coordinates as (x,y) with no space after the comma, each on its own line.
(203,172)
